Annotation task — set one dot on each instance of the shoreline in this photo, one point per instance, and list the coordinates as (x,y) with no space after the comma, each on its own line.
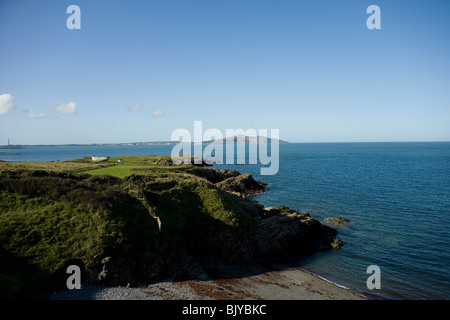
(281,282)
(335,284)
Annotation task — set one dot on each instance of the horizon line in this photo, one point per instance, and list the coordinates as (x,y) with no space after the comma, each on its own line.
(168,142)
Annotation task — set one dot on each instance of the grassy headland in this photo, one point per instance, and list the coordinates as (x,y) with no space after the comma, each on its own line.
(143,219)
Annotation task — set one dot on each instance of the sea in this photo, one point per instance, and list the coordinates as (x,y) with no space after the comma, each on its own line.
(396,197)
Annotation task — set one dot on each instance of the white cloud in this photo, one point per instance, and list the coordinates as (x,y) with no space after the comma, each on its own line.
(158,113)
(66,108)
(135,107)
(33,115)
(6,103)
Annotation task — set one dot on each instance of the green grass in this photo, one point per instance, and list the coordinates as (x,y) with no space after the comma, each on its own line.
(48,232)
(185,199)
(120,171)
(54,166)
(125,170)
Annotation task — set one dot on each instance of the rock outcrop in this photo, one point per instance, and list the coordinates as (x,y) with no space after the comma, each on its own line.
(336,221)
(242,185)
(285,233)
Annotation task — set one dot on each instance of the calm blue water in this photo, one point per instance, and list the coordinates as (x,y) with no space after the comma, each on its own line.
(396,196)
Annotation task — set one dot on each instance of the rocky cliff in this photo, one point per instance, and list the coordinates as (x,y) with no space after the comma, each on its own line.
(51,220)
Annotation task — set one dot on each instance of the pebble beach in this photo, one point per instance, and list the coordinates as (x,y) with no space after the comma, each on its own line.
(231,283)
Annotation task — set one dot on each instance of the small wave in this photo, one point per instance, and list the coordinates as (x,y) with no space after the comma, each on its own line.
(336,284)
(325,279)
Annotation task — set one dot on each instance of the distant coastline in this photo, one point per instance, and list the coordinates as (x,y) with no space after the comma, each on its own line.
(153,143)
(236,139)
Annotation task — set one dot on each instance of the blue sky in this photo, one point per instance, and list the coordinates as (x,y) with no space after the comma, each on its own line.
(138,70)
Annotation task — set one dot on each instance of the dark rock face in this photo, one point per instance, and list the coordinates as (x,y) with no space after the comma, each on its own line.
(285,233)
(242,185)
(215,176)
(280,234)
(232,181)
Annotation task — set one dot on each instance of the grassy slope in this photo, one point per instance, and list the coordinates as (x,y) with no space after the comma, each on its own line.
(49,221)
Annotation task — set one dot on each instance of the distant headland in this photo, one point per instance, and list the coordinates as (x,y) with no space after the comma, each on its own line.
(234,139)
